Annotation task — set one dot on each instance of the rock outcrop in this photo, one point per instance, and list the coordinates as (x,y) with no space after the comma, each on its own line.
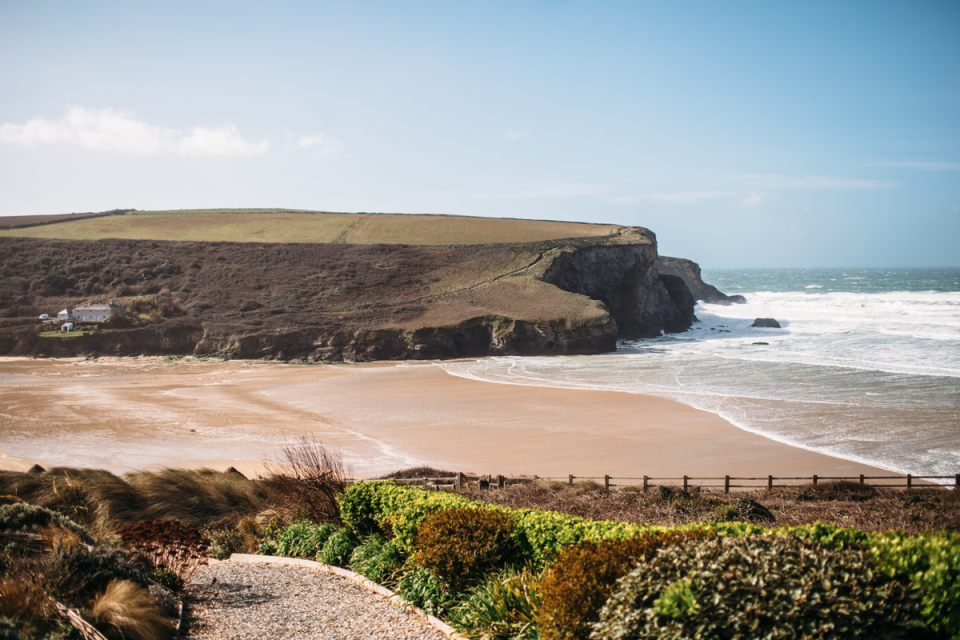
(642,302)
(768,323)
(689,271)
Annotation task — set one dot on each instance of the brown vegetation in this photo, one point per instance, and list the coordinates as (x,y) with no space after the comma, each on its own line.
(843,504)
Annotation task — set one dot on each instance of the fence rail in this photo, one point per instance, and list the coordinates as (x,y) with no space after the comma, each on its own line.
(908,481)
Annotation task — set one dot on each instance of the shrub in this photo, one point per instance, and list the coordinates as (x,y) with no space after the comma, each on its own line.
(420,588)
(225,542)
(303,539)
(77,576)
(309,480)
(170,546)
(338,547)
(460,546)
(757,587)
(505,606)
(26,518)
(578,583)
(377,560)
(127,611)
(745,510)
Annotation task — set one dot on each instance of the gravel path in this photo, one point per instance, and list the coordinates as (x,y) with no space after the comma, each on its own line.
(241,601)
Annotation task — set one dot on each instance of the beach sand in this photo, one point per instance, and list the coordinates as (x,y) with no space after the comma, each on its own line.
(147,413)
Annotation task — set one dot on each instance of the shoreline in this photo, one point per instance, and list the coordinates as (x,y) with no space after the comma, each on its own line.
(127,414)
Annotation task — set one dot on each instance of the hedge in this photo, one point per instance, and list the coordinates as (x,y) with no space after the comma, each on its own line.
(930,562)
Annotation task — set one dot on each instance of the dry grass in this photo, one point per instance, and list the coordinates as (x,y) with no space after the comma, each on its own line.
(127,611)
(252,225)
(307,481)
(844,505)
(104,502)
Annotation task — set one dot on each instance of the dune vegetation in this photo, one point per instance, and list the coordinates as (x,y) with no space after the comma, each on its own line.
(533,560)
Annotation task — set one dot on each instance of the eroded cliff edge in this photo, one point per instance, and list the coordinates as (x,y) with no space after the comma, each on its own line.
(327,302)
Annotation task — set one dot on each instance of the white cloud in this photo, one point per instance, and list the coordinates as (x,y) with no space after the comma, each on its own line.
(923,166)
(561,190)
(823,183)
(323,144)
(674,197)
(517,135)
(752,200)
(121,132)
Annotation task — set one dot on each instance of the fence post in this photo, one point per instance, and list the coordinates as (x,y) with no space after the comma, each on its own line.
(770,483)
(458,483)
(570,479)
(861,480)
(956,482)
(424,482)
(684,483)
(644,484)
(606,482)
(726,484)
(500,482)
(909,480)
(814,479)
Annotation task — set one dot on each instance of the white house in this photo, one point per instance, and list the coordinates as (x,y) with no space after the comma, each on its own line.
(68,326)
(97,312)
(64,315)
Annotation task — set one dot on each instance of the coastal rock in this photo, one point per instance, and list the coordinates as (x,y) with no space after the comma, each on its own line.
(626,279)
(766,322)
(689,271)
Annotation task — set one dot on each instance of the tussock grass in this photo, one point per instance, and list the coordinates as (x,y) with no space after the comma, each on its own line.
(127,611)
(105,502)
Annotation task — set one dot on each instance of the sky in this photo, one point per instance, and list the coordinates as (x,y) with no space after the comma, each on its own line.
(745,134)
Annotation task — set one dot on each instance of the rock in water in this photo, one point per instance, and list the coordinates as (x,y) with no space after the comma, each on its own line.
(689,271)
(766,322)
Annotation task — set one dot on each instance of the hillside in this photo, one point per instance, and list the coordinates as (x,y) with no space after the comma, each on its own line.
(335,301)
(281,225)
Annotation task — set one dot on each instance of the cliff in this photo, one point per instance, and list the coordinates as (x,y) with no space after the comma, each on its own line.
(336,302)
(689,272)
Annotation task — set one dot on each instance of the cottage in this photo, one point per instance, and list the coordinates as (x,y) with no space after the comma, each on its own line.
(97,312)
(64,315)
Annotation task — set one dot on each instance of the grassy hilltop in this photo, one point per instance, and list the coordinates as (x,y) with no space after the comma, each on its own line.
(282,225)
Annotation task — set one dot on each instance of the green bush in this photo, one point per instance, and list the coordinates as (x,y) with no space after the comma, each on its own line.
(460,546)
(303,539)
(27,518)
(930,561)
(420,588)
(505,606)
(377,560)
(758,587)
(338,547)
(580,581)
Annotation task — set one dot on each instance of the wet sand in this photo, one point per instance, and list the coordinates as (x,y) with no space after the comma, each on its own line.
(146,413)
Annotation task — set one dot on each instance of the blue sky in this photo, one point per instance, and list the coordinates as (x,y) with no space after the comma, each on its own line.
(745,134)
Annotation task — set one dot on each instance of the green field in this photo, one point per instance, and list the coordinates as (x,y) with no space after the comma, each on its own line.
(278,225)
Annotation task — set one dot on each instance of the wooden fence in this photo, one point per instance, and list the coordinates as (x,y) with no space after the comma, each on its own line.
(908,481)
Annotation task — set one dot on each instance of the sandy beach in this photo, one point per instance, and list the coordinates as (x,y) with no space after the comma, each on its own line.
(147,413)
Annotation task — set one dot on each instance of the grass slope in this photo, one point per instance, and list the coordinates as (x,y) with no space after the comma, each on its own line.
(278,225)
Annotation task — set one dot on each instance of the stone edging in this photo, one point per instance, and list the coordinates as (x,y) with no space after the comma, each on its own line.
(369,585)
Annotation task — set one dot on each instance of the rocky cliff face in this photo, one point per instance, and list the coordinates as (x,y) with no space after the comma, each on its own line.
(626,278)
(689,271)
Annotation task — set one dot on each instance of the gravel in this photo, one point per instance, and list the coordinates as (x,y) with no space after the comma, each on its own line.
(237,601)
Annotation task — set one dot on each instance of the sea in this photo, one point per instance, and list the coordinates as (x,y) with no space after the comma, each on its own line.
(865,366)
